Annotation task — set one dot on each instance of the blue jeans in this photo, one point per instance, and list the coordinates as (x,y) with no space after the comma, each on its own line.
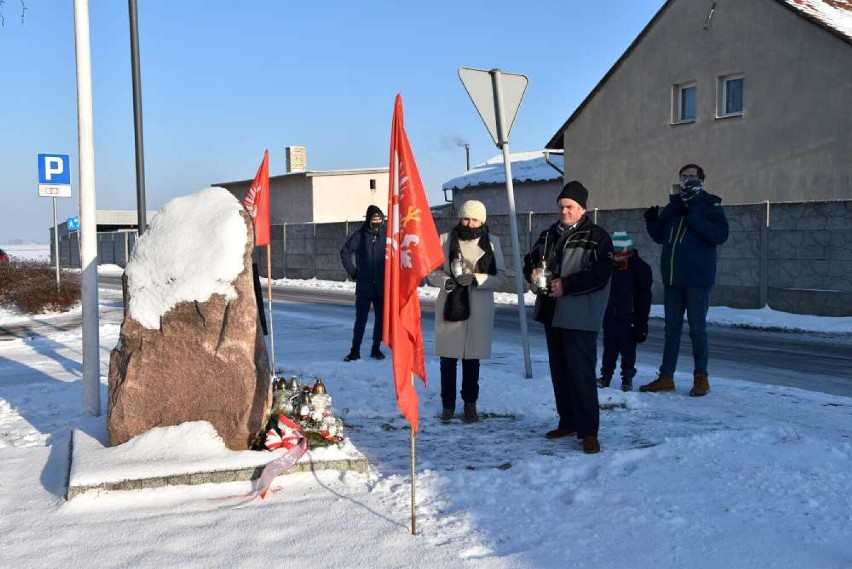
(695,301)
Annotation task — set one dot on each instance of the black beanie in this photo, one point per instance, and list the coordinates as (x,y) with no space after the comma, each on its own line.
(576,191)
(374,210)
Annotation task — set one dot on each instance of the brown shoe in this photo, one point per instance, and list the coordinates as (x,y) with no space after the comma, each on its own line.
(700,385)
(591,445)
(470,414)
(559,433)
(662,383)
(447,415)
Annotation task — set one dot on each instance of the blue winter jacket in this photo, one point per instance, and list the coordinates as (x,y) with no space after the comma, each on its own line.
(368,270)
(689,241)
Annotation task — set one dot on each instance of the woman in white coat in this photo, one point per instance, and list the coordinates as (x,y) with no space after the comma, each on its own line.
(464,312)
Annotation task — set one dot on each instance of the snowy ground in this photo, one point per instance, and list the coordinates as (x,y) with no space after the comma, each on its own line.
(31,251)
(749,476)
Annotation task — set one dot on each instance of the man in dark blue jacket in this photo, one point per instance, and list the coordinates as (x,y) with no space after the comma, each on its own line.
(689,228)
(367,244)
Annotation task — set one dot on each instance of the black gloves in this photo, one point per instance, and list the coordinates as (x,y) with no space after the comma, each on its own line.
(466,279)
(652,213)
(462,280)
(640,332)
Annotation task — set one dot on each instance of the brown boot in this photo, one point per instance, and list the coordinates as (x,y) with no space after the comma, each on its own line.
(662,383)
(447,414)
(591,445)
(700,385)
(470,414)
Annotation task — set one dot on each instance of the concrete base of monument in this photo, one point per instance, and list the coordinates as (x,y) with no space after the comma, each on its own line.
(183,455)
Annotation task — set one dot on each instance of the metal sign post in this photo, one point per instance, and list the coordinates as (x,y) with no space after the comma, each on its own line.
(497,95)
(54,180)
(56,243)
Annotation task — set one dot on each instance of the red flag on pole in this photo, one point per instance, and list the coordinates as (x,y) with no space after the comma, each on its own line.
(413,250)
(257,202)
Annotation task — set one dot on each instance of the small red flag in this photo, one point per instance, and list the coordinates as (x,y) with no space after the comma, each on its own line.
(257,202)
(412,251)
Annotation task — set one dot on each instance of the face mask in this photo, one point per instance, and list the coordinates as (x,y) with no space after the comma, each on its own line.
(690,187)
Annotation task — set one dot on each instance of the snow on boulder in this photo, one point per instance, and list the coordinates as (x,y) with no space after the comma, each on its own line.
(191,347)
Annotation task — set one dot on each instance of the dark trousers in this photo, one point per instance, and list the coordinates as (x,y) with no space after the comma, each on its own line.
(362,311)
(618,339)
(572,355)
(695,301)
(470,382)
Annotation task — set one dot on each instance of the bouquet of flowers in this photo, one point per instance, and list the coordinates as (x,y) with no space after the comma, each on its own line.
(306,408)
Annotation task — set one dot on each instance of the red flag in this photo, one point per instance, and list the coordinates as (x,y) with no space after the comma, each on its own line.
(257,202)
(413,250)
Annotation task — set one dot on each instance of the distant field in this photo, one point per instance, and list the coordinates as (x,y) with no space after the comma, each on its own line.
(35,252)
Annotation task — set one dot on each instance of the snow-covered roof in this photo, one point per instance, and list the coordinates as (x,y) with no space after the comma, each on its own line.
(526,167)
(833,14)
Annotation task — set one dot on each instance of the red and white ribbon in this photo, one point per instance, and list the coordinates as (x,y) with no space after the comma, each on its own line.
(291,437)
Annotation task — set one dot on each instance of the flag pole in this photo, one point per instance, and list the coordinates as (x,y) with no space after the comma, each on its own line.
(413,511)
(413,455)
(269,298)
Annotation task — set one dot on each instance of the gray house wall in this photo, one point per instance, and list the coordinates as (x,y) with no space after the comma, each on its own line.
(792,143)
(529,196)
(291,198)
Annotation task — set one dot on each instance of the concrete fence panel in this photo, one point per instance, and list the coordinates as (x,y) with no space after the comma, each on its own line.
(793,257)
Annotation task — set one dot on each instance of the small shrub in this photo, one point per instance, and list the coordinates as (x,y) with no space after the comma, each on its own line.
(30,286)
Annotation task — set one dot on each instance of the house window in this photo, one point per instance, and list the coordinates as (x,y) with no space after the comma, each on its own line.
(684,102)
(731,91)
(372,183)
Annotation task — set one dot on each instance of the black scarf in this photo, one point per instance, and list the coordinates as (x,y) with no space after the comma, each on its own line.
(457,305)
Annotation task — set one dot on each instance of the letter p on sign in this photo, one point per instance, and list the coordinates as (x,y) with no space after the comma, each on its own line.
(54,169)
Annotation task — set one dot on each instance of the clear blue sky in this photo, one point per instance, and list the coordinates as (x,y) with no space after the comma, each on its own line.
(222,81)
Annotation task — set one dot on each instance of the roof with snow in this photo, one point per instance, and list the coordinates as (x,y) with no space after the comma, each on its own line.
(835,16)
(526,167)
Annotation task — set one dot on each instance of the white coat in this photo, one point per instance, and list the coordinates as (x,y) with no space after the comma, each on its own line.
(471,338)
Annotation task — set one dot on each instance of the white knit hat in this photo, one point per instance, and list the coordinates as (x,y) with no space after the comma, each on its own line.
(621,242)
(473,209)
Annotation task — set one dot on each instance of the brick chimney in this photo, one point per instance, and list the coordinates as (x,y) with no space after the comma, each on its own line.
(295,159)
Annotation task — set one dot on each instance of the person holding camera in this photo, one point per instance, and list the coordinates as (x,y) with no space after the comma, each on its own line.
(570,267)
(690,228)
(464,310)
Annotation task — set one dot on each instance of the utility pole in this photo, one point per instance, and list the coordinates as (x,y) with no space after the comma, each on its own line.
(141,212)
(88,221)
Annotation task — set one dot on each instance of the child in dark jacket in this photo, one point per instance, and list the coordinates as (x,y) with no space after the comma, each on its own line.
(626,319)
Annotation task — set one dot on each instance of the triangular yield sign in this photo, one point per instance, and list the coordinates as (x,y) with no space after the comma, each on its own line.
(478,84)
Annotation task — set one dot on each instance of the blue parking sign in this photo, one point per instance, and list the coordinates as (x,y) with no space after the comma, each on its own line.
(54,169)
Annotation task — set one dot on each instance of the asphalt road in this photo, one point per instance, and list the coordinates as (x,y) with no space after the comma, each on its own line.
(816,362)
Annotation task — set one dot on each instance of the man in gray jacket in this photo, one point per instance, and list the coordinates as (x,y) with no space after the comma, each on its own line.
(571,305)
